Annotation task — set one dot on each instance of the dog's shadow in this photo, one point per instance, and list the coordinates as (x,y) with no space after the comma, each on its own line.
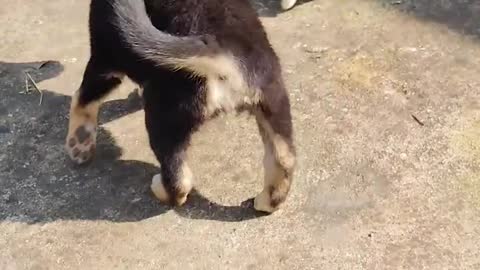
(38,183)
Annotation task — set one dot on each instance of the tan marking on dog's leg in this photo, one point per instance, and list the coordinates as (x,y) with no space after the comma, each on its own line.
(183,186)
(81,138)
(288,4)
(158,189)
(140,91)
(279,162)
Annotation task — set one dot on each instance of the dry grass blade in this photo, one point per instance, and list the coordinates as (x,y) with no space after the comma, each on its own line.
(36,87)
(26,84)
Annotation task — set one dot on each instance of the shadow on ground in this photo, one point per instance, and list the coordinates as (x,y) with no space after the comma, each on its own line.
(39,184)
(460,15)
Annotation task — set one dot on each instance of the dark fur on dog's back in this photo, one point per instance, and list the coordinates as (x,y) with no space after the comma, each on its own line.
(123,35)
(194,58)
(186,33)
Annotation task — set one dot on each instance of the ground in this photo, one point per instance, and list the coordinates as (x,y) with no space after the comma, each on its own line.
(387,124)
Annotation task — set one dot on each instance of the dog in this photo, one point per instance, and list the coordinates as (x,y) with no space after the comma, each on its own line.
(288,4)
(194,59)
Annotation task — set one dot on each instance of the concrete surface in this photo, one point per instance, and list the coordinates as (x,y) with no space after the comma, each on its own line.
(375,188)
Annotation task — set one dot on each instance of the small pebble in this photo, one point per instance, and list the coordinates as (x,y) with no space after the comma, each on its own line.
(316,49)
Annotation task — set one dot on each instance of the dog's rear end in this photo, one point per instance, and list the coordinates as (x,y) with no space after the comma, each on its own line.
(194,58)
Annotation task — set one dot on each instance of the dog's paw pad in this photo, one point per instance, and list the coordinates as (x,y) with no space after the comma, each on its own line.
(80,144)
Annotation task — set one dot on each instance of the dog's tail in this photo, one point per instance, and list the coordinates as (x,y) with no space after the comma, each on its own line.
(200,55)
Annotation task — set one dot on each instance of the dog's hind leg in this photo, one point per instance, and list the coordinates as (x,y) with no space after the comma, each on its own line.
(174,182)
(97,82)
(169,129)
(275,126)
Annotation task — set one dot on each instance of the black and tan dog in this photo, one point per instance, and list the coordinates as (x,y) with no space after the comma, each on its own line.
(193,59)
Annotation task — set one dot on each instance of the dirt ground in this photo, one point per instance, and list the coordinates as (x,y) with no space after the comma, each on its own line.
(386,105)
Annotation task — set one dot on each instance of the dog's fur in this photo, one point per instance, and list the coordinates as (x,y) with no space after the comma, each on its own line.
(288,4)
(193,59)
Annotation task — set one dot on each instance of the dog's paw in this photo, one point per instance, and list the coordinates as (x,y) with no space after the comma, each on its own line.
(159,190)
(263,203)
(161,193)
(80,143)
